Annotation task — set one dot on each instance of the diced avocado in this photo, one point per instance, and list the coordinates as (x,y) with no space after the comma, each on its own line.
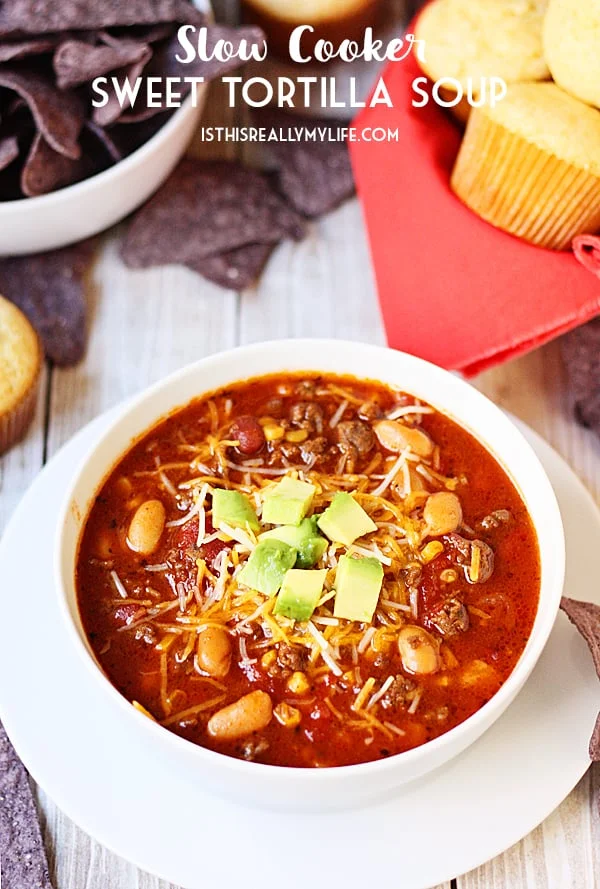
(287,502)
(299,593)
(305,538)
(357,584)
(265,569)
(234,509)
(345,520)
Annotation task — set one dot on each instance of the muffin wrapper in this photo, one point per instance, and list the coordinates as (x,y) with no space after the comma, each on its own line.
(523,189)
(15,422)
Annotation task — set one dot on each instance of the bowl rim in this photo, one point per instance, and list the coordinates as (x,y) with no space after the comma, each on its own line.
(475,724)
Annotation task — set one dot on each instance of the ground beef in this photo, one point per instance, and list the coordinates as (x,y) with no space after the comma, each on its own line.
(461,550)
(369,411)
(291,658)
(313,447)
(451,618)
(495,519)
(290,451)
(252,748)
(307,415)
(398,692)
(355,434)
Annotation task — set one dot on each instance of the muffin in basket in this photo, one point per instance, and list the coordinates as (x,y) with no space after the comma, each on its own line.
(471,39)
(572,47)
(531,165)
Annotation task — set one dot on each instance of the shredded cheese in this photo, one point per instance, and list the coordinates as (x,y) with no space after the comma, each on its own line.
(407,409)
(391,475)
(119,585)
(337,416)
(379,694)
(363,694)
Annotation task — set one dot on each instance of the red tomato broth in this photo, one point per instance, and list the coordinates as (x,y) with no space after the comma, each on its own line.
(124,632)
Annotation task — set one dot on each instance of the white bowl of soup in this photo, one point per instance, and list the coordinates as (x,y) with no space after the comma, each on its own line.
(308,586)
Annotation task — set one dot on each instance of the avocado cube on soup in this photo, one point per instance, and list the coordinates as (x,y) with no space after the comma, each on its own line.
(287,502)
(233,509)
(358,585)
(299,593)
(345,520)
(267,565)
(305,538)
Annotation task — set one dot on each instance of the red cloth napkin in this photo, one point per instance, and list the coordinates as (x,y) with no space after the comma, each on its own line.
(453,289)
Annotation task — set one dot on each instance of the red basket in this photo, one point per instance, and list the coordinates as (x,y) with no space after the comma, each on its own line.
(453,289)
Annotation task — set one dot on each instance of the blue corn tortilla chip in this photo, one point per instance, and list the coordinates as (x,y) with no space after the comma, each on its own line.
(22,853)
(41,16)
(20,49)
(206,209)
(101,136)
(165,64)
(58,116)
(113,110)
(236,269)
(49,288)
(9,150)
(581,355)
(46,170)
(315,176)
(76,62)
(585,616)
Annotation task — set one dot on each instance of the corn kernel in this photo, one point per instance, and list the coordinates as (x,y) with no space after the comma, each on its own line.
(298,684)
(449,576)
(296,435)
(274,433)
(286,715)
(268,659)
(431,550)
(267,421)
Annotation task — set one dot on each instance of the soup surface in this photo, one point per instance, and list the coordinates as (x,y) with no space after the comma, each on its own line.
(308,571)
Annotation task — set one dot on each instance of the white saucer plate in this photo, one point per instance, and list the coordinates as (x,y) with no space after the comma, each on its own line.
(167,823)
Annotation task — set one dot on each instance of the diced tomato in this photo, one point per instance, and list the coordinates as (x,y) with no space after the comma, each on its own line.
(187,537)
(432,590)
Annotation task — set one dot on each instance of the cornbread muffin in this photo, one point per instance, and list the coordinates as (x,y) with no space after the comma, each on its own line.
(20,365)
(571,38)
(531,165)
(482,38)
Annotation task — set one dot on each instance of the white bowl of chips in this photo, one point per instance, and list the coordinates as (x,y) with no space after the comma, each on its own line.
(33,225)
(51,135)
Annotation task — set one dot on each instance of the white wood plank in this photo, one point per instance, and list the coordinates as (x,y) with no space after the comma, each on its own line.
(321,287)
(22,463)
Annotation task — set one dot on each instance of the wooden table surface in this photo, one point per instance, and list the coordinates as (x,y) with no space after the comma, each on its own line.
(145,324)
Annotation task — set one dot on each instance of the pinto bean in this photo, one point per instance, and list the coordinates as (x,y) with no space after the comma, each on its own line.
(442,513)
(248,431)
(418,650)
(394,437)
(249,714)
(146,527)
(214,651)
